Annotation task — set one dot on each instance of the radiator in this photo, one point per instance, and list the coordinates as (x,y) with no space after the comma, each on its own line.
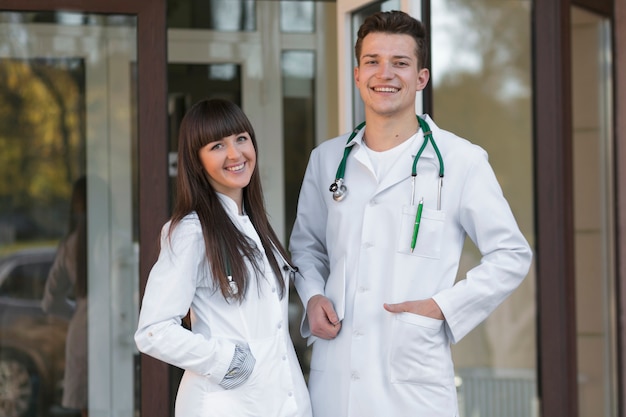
(486,392)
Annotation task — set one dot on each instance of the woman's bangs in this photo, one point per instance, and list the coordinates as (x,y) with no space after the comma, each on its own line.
(218,126)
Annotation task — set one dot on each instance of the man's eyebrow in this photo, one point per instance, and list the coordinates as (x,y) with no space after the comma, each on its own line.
(393,57)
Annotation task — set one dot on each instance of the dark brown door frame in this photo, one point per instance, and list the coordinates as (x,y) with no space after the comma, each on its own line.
(152,111)
(554,257)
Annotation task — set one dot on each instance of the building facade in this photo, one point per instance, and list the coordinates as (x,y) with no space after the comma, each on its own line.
(96,89)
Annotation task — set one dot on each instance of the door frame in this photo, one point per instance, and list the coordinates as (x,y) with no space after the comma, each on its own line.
(552,107)
(152,149)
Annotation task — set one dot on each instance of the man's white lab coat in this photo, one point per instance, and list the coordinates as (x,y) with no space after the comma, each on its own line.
(357,252)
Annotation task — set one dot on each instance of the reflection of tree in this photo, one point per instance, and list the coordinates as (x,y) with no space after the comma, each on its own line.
(491,105)
(45,76)
(488,101)
(41,133)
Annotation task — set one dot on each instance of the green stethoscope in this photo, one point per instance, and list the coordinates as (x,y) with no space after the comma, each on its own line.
(339,189)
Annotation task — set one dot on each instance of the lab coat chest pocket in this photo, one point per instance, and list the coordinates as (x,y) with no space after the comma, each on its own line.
(430,235)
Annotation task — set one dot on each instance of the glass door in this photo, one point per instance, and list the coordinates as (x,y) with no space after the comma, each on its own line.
(68,236)
(482,90)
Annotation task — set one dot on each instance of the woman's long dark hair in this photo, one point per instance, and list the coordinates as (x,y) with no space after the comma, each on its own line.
(207,121)
(78,226)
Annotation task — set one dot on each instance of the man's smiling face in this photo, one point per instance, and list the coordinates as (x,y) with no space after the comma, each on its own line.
(388,74)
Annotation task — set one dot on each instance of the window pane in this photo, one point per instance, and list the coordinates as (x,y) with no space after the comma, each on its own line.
(298,85)
(297,16)
(219,15)
(482,91)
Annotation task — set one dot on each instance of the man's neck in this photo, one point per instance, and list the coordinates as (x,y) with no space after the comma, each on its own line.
(383,133)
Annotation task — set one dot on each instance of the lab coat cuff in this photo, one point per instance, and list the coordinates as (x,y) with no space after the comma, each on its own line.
(447,314)
(219,368)
(240,368)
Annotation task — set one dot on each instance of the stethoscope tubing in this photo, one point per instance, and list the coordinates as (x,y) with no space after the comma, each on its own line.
(339,189)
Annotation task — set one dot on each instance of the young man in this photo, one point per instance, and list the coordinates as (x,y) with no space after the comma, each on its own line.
(378,259)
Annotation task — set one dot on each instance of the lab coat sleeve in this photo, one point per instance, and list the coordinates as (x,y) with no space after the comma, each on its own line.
(169,293)
(59,286)
(308,238)
(487,219)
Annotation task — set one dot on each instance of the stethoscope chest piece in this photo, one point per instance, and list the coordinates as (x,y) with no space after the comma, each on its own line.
(338,189)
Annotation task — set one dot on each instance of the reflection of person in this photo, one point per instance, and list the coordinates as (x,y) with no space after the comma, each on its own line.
(221,259)
(379,260)
(66,295)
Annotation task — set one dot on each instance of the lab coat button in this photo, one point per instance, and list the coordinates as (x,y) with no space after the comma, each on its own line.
(363,289)
(354,376)
(373,202)
(280,325)
(368,245)
(290,394)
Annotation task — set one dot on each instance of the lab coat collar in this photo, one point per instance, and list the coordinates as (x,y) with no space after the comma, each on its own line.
(402,170)
(428,153)
(230,206)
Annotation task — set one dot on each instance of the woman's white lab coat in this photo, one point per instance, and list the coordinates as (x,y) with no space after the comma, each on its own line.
(181,280)
(60,286)
(357,252)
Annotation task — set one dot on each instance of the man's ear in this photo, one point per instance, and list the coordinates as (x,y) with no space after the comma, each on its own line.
(423,75)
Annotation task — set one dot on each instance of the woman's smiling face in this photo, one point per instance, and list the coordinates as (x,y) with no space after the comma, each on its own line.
(229,163)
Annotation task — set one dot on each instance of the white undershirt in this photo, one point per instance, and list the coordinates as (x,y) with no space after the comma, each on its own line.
(383,161)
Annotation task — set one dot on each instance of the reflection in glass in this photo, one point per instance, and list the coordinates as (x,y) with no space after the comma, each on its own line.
(66,18)
(65,296)
(42,130)
(481,52)
(66,244)
(297,16)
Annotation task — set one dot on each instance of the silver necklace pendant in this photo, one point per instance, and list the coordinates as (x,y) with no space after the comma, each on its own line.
(234,289)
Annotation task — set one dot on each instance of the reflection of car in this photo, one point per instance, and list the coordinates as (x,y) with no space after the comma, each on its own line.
(32,343)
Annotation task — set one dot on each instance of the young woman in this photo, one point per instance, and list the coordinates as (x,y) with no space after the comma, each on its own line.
(221,261)
(65,295)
